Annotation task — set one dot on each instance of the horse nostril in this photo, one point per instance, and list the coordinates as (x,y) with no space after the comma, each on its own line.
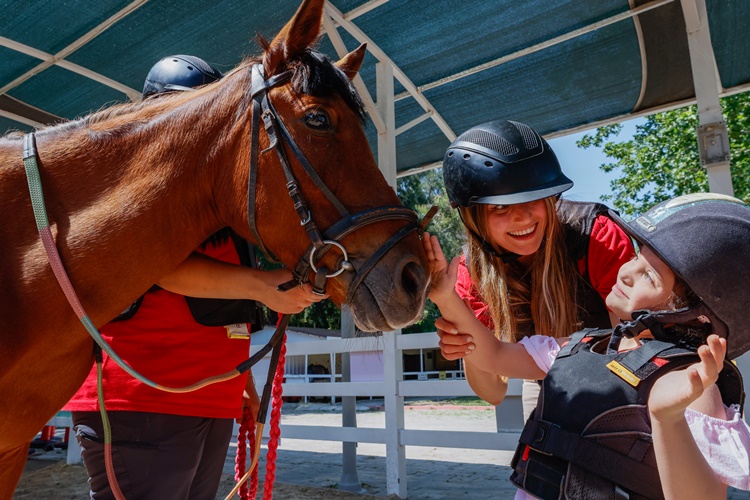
(412,276)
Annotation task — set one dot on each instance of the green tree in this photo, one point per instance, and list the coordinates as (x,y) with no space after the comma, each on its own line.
(420,192)
(661,160)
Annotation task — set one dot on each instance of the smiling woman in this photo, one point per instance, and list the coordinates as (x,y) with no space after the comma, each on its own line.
(534,263)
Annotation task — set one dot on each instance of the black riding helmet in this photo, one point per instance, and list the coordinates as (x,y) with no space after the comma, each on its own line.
(705,239)
(501,163)
(179,73)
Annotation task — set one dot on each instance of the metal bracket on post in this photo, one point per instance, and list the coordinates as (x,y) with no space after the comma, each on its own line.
(714,154)
(713,143)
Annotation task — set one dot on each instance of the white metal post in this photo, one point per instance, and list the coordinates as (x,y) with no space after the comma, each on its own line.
(395,452)
(349,477)
(713,140)
(387,110)
(333,374)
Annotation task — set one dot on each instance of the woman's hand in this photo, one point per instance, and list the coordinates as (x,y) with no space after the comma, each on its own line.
(677,390)
(453,345)
(292,301)
(250,399)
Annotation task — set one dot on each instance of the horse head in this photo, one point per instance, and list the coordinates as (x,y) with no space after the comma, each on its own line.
(317,201)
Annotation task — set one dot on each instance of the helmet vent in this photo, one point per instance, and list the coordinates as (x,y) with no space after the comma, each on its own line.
(529,136)
(490,141)
(202,66)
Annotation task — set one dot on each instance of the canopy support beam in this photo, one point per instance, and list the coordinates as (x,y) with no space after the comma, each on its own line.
(713,140)
(58,59)
(384,115)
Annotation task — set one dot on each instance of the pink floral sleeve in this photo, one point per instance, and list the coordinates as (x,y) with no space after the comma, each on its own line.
(725,444)
(542,349)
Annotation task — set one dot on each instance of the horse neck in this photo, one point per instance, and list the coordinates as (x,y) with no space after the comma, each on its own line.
(131,199)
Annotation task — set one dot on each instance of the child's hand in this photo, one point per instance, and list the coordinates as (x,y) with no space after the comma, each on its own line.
(442,275)
(676,390)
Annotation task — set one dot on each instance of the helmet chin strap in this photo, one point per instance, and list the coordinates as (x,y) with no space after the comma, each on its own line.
(658,322)
(642,320)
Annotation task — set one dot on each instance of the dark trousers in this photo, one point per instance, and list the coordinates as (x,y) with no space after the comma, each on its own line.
(155,456)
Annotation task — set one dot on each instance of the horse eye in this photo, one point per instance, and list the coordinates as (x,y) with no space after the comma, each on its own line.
(317,120)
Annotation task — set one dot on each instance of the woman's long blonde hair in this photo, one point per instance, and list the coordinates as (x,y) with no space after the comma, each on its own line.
(540,299)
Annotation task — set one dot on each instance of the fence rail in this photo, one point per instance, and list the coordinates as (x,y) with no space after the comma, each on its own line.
(393,389)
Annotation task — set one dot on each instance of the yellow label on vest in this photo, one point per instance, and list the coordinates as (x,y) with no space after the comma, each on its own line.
(623,373)
(238,331)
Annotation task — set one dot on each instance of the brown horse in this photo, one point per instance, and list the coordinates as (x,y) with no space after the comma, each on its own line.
(131,191)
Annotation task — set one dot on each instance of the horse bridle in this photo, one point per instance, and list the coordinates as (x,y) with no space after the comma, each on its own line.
(321,243)
(262,108)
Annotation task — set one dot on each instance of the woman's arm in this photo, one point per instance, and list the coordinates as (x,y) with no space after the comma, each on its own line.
(683,469)
(490,354)
(205,277)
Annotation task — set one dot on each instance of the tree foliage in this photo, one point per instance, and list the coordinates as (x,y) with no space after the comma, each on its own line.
(420,192)
(661,160)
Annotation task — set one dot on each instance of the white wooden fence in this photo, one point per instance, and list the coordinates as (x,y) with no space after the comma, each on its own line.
(394,389)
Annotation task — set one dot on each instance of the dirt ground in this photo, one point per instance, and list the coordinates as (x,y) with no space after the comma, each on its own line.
(312,470)
(61,482)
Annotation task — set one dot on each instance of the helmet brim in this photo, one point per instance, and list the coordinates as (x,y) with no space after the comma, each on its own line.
(641,237)
(559,185)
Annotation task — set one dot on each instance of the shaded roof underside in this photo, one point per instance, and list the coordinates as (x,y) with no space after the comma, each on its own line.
(535,61)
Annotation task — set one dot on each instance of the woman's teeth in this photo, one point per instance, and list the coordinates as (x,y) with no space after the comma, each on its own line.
(523,232)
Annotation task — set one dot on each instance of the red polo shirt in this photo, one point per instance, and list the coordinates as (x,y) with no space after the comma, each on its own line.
(163,342)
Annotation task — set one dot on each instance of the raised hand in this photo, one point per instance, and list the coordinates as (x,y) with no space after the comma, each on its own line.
(676,390)
(442,275)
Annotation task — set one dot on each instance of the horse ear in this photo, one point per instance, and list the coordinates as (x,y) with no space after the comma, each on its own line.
(298,34)
(351,62)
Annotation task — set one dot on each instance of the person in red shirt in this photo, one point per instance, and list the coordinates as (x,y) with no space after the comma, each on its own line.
(534,263)
(169,445)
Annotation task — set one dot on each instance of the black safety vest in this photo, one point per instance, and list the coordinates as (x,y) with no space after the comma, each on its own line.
(577,220)
(590,434)
(218,312)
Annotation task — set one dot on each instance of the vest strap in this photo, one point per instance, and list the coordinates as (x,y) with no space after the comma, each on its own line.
(550,439)
(635,360)
(575,339)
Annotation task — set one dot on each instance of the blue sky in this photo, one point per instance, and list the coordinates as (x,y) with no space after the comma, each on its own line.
(582,165)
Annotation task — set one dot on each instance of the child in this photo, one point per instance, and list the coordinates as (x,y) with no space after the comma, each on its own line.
(614,405)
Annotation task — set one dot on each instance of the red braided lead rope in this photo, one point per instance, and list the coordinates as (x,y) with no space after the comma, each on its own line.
(274,432)
(247,427)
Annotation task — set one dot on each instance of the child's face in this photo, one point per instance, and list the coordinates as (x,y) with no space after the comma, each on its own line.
(518,228)
(645,282)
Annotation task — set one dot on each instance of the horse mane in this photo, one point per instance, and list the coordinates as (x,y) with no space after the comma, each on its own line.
(313,73)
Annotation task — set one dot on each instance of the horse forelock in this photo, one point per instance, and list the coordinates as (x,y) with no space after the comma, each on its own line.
(313,74)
